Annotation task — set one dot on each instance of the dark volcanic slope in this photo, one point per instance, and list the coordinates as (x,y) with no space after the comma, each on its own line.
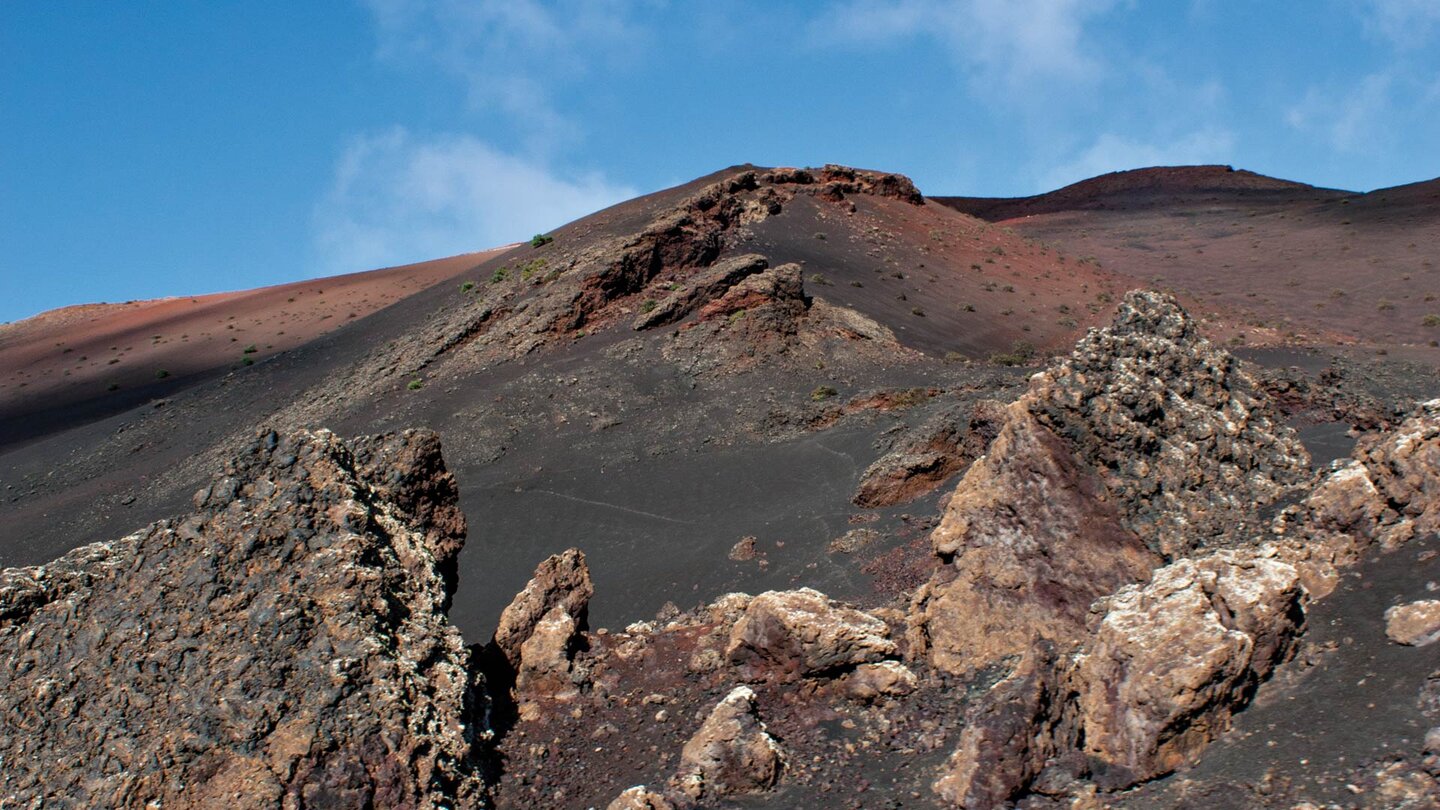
(750,407)
(1292,263)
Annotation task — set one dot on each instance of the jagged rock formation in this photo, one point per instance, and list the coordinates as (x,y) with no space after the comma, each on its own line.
(285,643)
(731,753)
(640,798)
(1146,443)
(1384,495)
(561,584)
(946,444)
(1009,736)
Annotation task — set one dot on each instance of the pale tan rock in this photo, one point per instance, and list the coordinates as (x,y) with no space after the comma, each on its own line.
(640,798)
(881,679)
(547,656)
(788,634)
(1173,659)
(1386,494)
(562,580)
(1416,624)
(731,753)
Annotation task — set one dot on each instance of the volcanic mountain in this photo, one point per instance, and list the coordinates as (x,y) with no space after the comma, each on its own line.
(863,493)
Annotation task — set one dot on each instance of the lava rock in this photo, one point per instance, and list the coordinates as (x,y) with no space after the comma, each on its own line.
(732,752)
(791,634)
(1415,624)
(284,644)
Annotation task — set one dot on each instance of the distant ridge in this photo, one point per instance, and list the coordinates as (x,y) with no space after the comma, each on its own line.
(1142,188)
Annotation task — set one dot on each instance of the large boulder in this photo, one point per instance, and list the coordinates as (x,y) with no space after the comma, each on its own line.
(285,644)
(790,634)
(1172,660)
(1146,443)
(732,752)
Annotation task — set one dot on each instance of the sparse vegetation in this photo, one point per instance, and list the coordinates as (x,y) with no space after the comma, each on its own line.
(541,240)
(531,267)
(467,286)
(1021,352)
(1385,306)
(415,384)
(820,279)
(161,374)
(250,349)
(917,311)
(649,305)
(1431,321)
(823,392)
(500,274)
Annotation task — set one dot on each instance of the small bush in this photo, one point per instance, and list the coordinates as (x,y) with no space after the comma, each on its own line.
(247,361)
(541,240)
(1431,321)
(250,349)
(161,374)
(1021,352)
(968,307)
(823,392)
(649,305)
(113,387)
(917,311)
(467,286)
(817,278)
(1384,306)
(415,384)
(531,267)
(500,274)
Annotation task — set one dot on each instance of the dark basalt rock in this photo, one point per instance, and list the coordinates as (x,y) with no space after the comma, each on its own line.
(284,644)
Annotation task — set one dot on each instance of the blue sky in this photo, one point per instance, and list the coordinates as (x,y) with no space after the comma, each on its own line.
(151,149)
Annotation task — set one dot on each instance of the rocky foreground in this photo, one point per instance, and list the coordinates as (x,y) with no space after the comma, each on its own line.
(1130,553)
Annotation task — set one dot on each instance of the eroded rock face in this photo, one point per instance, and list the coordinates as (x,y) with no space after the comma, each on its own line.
(791,634)
(1173,659)
(1010,735)
(732,753)
(286,642)
(1146,443)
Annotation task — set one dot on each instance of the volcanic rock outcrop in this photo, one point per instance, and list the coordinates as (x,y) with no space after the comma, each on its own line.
(1146,443)
(1387,493)
(284,644)
(1172,660)
(792,634)
(731,752)
(944,445)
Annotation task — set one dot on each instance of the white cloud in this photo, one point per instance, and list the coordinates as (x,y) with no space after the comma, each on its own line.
(510,54)
(1110,153)
(1348,121)
(1009,45)
(1407,23)
(397,198)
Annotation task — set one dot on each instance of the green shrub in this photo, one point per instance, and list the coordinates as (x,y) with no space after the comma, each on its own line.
(500,274)
(649,305)
(1021,352)
(467,286)
(250,349)
(415,384)
(823,392)
(161,374)
(541,240)
(1431,321)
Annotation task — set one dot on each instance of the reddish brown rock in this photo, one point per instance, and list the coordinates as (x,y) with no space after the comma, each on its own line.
(1009,736)
(1147,442)
(879,680)
(640,798)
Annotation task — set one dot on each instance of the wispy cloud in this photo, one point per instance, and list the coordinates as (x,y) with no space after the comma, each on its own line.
(399,198)
(1111,152)
(1348,119)
(1406,23)
(511,54)
(1006,45)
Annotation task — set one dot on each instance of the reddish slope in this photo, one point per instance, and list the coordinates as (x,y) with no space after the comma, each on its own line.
(103,351)
(1292,261)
